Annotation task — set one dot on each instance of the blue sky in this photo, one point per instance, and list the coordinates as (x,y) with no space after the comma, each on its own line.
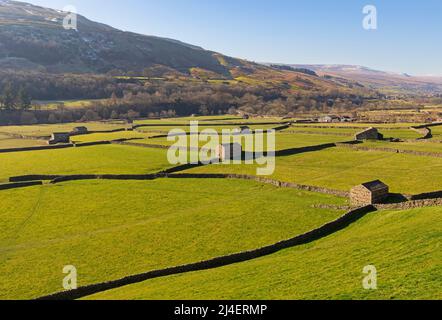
(408,38)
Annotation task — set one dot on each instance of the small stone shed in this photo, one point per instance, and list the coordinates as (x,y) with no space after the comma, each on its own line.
(79,130)
(245,129)
(229,151)
(59,137)
(369,193)
(369,134)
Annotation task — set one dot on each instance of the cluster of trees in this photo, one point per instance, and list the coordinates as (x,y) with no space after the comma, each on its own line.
(13,98)
(130,100)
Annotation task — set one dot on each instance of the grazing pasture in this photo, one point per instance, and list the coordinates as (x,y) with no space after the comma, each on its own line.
(47,130)
(94,137)
(413,146)
(283,141)
(402,245)
(108,159)
(111,229)
(7,142)
(342,169)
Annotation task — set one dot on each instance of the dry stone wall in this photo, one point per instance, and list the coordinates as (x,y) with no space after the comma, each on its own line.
(305,238)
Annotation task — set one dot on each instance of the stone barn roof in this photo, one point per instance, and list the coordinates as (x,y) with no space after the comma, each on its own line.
(375,185)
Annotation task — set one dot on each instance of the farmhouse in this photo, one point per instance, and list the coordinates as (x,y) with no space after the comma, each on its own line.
(369,134)
(59,137)
(369,193)
(229,151)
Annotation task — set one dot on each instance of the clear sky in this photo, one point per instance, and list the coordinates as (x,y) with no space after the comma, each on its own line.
(408,38)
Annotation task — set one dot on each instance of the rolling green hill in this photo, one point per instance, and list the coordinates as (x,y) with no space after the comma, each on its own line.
(34,37)
(402,245)
(111,229)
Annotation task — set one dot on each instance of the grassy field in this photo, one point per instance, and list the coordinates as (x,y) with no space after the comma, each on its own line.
(388,132)
(8,142)
(109,159)
(113,229)
(361,125)
(204,119)
(406,134)
(343,169)
(283,141)
(203,126)
(314,130)
(109,136)
(414,146)
(403,245)
(67,104)
(437,132)
(108,232)
(47,130)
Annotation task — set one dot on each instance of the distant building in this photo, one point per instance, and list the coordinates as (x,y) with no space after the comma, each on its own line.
(369,193)
(347,119)
(59,137)
(229,151)
(330,119)
(246,117)
(369,134)
(245,129)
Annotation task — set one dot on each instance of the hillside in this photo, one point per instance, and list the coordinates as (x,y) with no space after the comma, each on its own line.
(33,37)
(389,82)
(401,244)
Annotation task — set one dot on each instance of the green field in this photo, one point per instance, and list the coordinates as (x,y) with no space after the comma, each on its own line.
(437,133)
(113,229)
(109,159)
(283,141)
(342,131)
(109,232)
(413,146)
(94,137)
(47,130)
(342,169)
(403,246)
(203,126)
(405,134)
(7,142)
(67,104)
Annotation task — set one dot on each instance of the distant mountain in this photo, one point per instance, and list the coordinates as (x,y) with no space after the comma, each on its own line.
(33,37)
(389,82)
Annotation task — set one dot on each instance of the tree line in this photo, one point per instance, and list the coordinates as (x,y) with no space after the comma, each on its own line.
(13,98)
(135,99)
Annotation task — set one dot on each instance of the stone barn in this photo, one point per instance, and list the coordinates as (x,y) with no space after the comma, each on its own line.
(369,193)
(229,151)
(369,134)
(245,129)
(79,130)
(60,137)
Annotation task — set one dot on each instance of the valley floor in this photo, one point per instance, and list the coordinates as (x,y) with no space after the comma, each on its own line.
(119,226)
